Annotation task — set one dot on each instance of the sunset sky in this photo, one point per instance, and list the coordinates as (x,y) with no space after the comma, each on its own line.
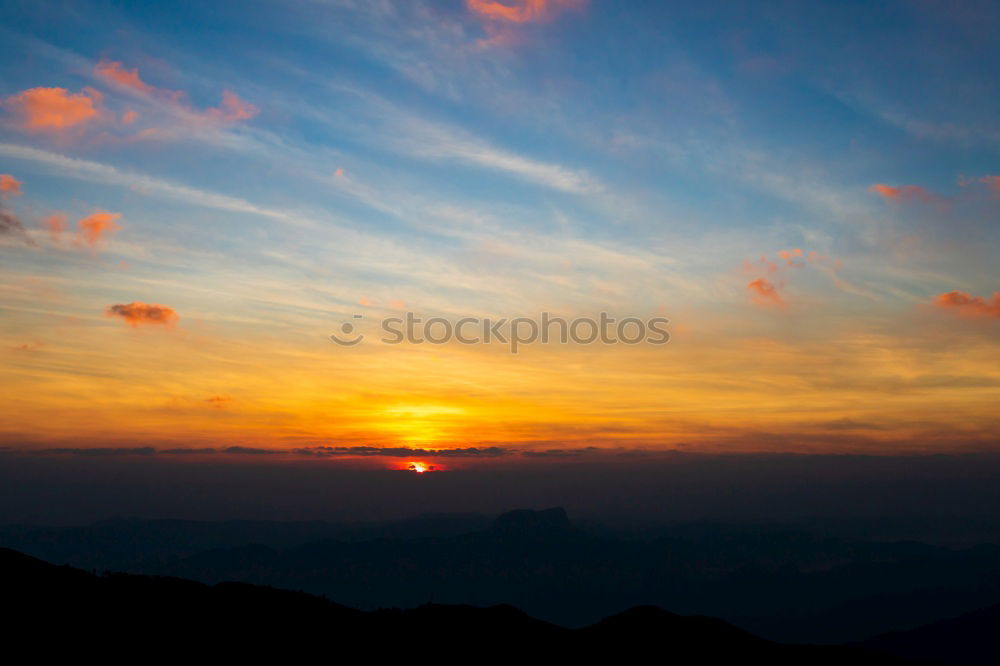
(195,195)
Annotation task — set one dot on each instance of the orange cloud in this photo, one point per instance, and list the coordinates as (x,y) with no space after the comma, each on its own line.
(903,193)
(115,73)
(968,305)
(219,401)
(790,255)
(53,109)
(764,293)
(764,264)
(519,11)
(992,181)
(9,186)
(137,313)
(95,226)
(232,109)
(55,224)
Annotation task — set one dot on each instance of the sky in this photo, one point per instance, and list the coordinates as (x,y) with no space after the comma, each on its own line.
(195,196)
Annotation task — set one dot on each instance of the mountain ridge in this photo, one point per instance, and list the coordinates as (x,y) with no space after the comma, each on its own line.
(127,612)
(779,583)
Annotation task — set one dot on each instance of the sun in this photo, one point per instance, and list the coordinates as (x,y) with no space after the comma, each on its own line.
(419,467)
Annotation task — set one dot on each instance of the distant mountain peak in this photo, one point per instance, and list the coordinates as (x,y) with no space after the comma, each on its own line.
(530,522)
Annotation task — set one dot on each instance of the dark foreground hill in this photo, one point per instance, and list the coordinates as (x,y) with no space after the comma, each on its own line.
(784,584)
(59,608)
(973,638)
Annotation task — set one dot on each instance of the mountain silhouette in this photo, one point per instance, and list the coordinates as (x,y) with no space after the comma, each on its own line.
(544,524)
(142,617)
(968,639)
(783,584)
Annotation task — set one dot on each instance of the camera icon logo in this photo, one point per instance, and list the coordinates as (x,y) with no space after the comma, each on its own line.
(347,328)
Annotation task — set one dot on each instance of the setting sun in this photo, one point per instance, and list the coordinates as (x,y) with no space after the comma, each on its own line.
(419,467)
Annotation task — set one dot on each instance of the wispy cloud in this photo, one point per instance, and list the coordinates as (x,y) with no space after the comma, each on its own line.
(519,11)
(902,193)
(438,143)
(115,73)
(992,181)
(500,18)
(105,174)
(764,293)
(11,225)
(55,224)
(232,109)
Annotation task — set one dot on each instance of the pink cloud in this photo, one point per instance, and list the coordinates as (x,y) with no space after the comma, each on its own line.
(97,225)
(763,264)
(9,186)
(519,11)
(232,109)
(55,224)
(790,255)
(765,294)
(968,305)
(115,73)
(992,181)
(904,193)
(53,109)
(500,19)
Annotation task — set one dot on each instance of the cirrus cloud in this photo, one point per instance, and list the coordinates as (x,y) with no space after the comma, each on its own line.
(11,225)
